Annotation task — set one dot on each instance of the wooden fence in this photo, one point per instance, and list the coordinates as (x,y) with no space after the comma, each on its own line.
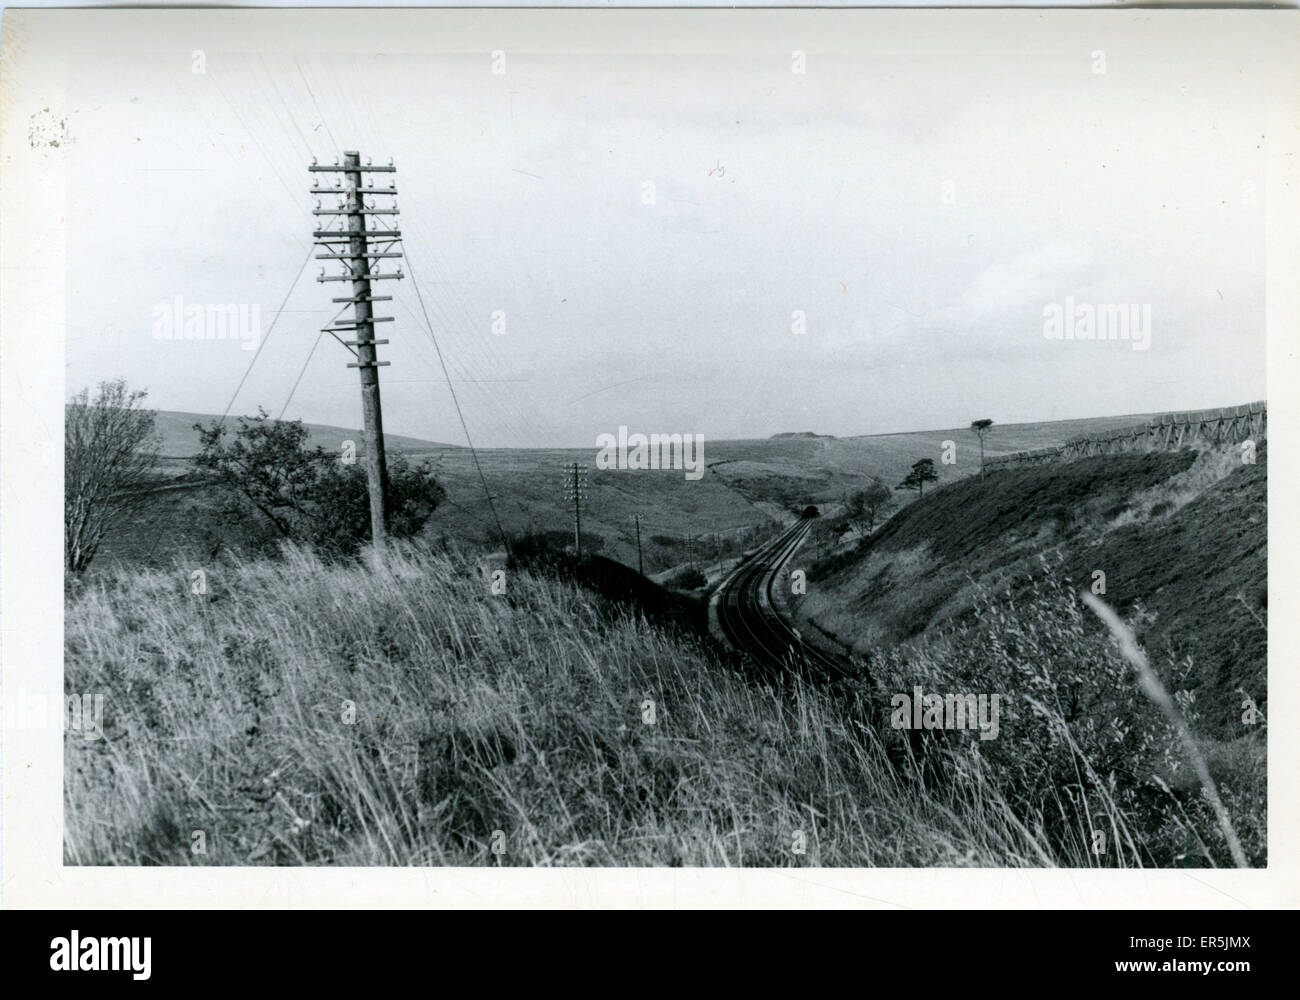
(1169,432)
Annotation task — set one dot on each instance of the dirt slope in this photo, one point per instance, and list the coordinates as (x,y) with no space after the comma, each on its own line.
(1182,535)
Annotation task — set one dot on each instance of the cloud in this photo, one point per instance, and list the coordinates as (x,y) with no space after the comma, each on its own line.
(1025,283)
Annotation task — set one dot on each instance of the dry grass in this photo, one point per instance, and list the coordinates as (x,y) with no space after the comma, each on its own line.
(520,721)
(1156,693)
(1081,758)
(1212,466)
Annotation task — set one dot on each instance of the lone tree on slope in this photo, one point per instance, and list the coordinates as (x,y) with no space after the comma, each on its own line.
(980,427)
(922,473)
(109,449)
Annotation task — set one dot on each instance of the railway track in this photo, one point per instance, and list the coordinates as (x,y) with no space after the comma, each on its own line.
(750,621)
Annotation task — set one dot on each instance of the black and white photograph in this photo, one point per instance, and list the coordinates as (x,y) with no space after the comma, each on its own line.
(645,439)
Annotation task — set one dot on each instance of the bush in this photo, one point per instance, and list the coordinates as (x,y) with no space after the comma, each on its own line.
(687,578)
(305,494)
(548,550)
(1079,749)
(538,550)
(342,499)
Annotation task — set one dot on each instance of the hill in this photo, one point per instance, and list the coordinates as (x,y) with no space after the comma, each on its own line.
(1181,535)
(179,439)
(583,719)
(785,469)
(308,713)
(748,489)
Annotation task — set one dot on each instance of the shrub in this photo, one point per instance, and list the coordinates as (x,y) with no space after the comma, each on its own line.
(1080,751)
(305,494)
(687,578)
(341,498)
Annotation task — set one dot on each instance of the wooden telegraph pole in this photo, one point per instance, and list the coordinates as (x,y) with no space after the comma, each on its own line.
(574,487)
(350,246)
(640,563)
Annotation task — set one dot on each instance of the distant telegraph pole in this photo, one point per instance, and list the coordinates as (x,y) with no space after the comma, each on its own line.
(350,247)
(640,563)
(575,489)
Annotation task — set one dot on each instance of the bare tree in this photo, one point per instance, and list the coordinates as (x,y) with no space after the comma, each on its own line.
(863,507)
(109,449)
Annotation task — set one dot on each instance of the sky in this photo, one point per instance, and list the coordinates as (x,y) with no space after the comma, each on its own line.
(656,211)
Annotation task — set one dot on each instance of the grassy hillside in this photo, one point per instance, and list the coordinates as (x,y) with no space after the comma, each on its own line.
(1182,536)
(748,489)
(823,467)
(178,438)
(301,713)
